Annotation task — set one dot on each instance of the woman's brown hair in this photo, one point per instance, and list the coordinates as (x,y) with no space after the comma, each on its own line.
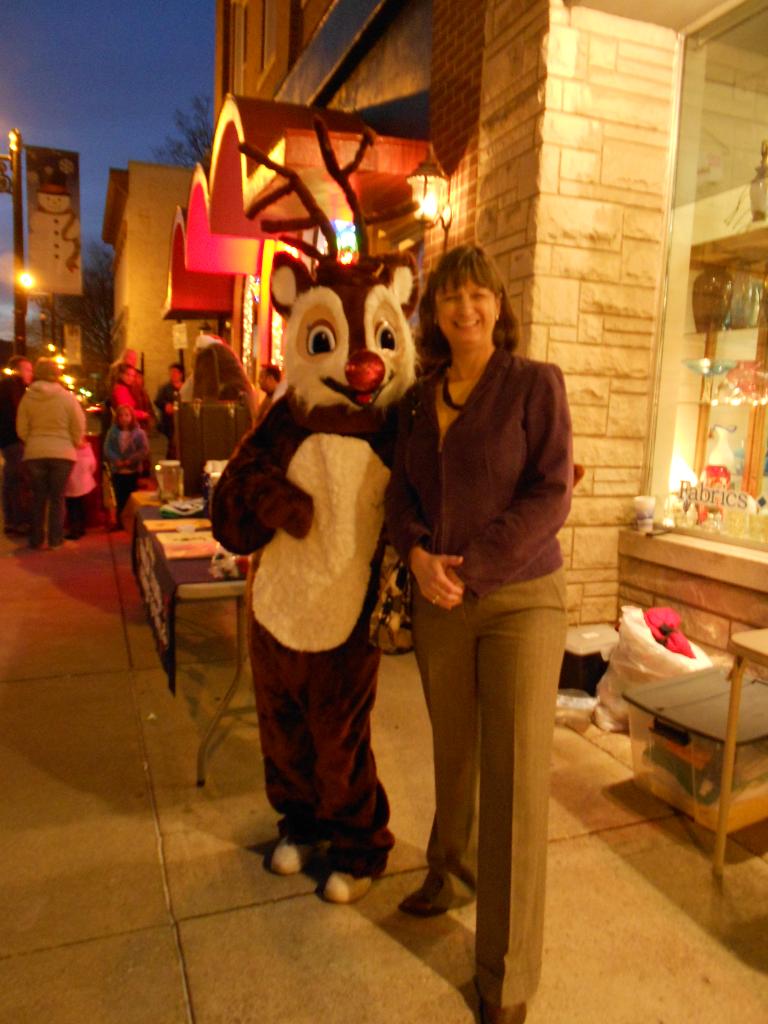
(456,267)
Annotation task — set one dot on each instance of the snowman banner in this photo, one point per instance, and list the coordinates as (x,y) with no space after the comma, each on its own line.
(53,217)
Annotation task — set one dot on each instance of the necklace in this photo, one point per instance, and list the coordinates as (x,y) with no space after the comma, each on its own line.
(448,400)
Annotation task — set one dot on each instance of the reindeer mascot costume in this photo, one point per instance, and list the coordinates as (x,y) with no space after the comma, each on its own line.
(305,491)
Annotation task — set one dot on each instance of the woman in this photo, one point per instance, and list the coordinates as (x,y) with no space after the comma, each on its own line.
(481,485)
(51,424)
(125,450)
(124,392)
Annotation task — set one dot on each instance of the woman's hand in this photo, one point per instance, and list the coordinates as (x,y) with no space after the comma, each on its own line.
(436,577)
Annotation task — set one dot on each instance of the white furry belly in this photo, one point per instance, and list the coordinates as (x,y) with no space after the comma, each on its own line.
(309,593)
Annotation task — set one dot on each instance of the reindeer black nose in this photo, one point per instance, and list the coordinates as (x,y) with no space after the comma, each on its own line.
(364,371)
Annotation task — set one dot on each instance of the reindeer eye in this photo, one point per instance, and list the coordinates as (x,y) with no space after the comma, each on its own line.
(385,337)
(320,340)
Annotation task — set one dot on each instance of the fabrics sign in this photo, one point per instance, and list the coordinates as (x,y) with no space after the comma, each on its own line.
(702,494)
(53,218)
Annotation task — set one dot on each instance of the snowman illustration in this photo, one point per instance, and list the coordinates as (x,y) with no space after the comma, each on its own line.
(54,232)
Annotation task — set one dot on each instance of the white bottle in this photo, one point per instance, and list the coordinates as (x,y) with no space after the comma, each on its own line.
(722,454)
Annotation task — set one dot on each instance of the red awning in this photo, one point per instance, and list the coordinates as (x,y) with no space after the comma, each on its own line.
(192,295)
(214,252)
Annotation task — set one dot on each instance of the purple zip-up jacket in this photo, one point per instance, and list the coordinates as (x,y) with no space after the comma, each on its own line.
(500,488)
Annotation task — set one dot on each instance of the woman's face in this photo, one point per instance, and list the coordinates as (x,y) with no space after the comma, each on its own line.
(466,314)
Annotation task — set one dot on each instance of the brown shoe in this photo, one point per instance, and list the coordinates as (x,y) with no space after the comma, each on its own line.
(418,904)
(502,1014)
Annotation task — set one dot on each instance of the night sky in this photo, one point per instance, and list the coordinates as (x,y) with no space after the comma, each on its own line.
(100,77)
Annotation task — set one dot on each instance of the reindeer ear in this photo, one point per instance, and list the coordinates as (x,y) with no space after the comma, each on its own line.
(289,279)
(405,286)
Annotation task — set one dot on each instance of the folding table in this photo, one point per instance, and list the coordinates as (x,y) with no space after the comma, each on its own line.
(166,582)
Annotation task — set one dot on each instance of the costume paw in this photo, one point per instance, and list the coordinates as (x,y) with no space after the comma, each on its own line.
(343,888)
(289,858)
(282,504)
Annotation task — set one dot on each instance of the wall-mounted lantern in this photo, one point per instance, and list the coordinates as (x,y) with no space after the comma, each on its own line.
(430,188)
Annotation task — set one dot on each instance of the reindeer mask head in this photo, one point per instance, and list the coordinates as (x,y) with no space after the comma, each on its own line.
(347,338)
(348,346)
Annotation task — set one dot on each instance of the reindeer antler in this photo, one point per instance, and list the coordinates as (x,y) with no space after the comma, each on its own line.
(316,216)
(293,184)
(341,175)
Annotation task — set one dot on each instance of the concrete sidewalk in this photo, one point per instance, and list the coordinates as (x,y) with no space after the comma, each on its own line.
(130,896)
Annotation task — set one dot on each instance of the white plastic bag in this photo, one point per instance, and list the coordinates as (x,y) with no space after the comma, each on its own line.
(574,708)
(637,658)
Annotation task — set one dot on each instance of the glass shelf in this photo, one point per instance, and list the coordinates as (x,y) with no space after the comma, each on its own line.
(710,367)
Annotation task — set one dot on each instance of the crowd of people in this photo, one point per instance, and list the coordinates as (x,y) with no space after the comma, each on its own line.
(49,465)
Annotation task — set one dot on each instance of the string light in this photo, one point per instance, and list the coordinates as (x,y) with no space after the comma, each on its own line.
(277,355)
(250,320)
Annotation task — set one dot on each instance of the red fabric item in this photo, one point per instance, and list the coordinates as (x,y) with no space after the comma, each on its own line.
(123,395)
(664,624)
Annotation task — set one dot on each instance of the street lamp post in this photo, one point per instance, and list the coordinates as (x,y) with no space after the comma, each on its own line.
(19,291)
(12,183)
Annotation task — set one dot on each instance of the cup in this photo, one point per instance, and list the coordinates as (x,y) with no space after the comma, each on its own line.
(209,482)
(169,479)
(645,505)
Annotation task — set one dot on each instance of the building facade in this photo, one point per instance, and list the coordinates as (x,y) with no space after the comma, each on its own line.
(138,220)
(597,153)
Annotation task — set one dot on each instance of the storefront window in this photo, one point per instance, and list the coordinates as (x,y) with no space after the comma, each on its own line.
(710,453)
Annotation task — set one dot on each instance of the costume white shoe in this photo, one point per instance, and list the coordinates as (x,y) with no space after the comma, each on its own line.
(289,858)
(343,888)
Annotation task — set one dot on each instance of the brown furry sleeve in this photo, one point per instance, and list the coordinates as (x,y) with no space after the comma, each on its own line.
(253,498)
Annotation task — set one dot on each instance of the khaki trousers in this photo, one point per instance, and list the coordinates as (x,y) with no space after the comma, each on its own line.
(490,672)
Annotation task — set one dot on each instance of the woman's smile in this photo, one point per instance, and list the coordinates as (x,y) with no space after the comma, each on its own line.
(467,314)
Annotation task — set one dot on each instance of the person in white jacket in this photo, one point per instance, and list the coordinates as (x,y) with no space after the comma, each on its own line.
(51,423)
(79,485)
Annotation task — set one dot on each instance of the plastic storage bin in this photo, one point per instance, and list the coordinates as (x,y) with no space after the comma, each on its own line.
(587,649)
(677,732)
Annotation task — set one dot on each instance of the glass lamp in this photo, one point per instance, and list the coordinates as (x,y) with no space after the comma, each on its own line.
(429,187)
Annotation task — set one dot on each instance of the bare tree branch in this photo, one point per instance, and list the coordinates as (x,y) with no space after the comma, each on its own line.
(94,309)
(193,141)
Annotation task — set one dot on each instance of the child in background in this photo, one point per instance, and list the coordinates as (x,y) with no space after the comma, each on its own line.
(80,483)
(125,450)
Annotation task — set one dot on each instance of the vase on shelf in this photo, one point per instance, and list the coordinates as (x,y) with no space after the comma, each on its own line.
(746,298)
(762,313)
(712,292)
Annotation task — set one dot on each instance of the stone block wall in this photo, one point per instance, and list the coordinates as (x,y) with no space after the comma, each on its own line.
(576,126)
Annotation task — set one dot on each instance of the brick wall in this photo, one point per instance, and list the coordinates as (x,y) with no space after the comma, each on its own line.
(454,106)
(576,125)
